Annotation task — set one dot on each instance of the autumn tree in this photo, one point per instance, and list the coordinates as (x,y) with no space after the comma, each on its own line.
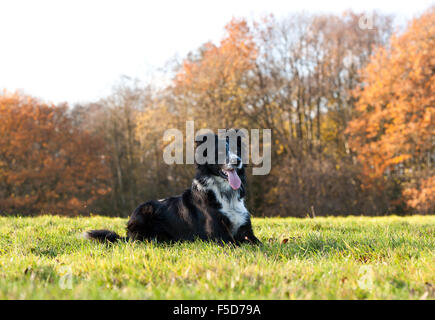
(46,164)
(393,134)
(113,118)
(307,67)
(167,179)
(212,81)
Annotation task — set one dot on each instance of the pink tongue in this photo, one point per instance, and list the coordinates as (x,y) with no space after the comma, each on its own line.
(234,179)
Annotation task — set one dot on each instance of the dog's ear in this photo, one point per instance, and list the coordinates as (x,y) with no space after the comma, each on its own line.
(203,142)
(242,134)
(201,138)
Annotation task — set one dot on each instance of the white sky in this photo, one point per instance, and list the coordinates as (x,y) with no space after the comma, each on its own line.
(76,50)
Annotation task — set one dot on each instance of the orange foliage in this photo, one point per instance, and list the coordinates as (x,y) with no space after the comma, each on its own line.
(214,77)
(423,197)
(395,127)
(236,52)
(46,165)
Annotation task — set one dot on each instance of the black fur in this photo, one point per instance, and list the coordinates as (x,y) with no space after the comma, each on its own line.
(104,235)
(196,214)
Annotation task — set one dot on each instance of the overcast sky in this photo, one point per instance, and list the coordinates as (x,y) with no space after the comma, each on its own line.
(76,50)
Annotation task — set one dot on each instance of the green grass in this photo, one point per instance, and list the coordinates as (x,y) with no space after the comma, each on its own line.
(324,258)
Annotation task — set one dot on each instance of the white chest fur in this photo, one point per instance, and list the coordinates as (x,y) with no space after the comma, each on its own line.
(232,207)
(236,212)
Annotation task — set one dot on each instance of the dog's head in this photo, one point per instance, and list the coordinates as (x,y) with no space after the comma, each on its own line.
(220,158)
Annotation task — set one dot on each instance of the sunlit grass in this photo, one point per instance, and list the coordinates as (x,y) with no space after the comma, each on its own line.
(322,258)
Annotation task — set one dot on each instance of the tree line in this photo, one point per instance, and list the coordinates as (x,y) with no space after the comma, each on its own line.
(350,102)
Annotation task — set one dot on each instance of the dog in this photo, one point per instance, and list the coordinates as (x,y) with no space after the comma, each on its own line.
(213,209)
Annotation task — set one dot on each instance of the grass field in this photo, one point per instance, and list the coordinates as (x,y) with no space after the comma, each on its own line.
(322,258)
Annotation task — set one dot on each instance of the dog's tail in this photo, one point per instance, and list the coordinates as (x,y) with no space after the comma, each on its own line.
(103,236)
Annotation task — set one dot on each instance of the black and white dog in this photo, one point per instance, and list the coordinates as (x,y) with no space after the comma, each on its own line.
(212,209)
